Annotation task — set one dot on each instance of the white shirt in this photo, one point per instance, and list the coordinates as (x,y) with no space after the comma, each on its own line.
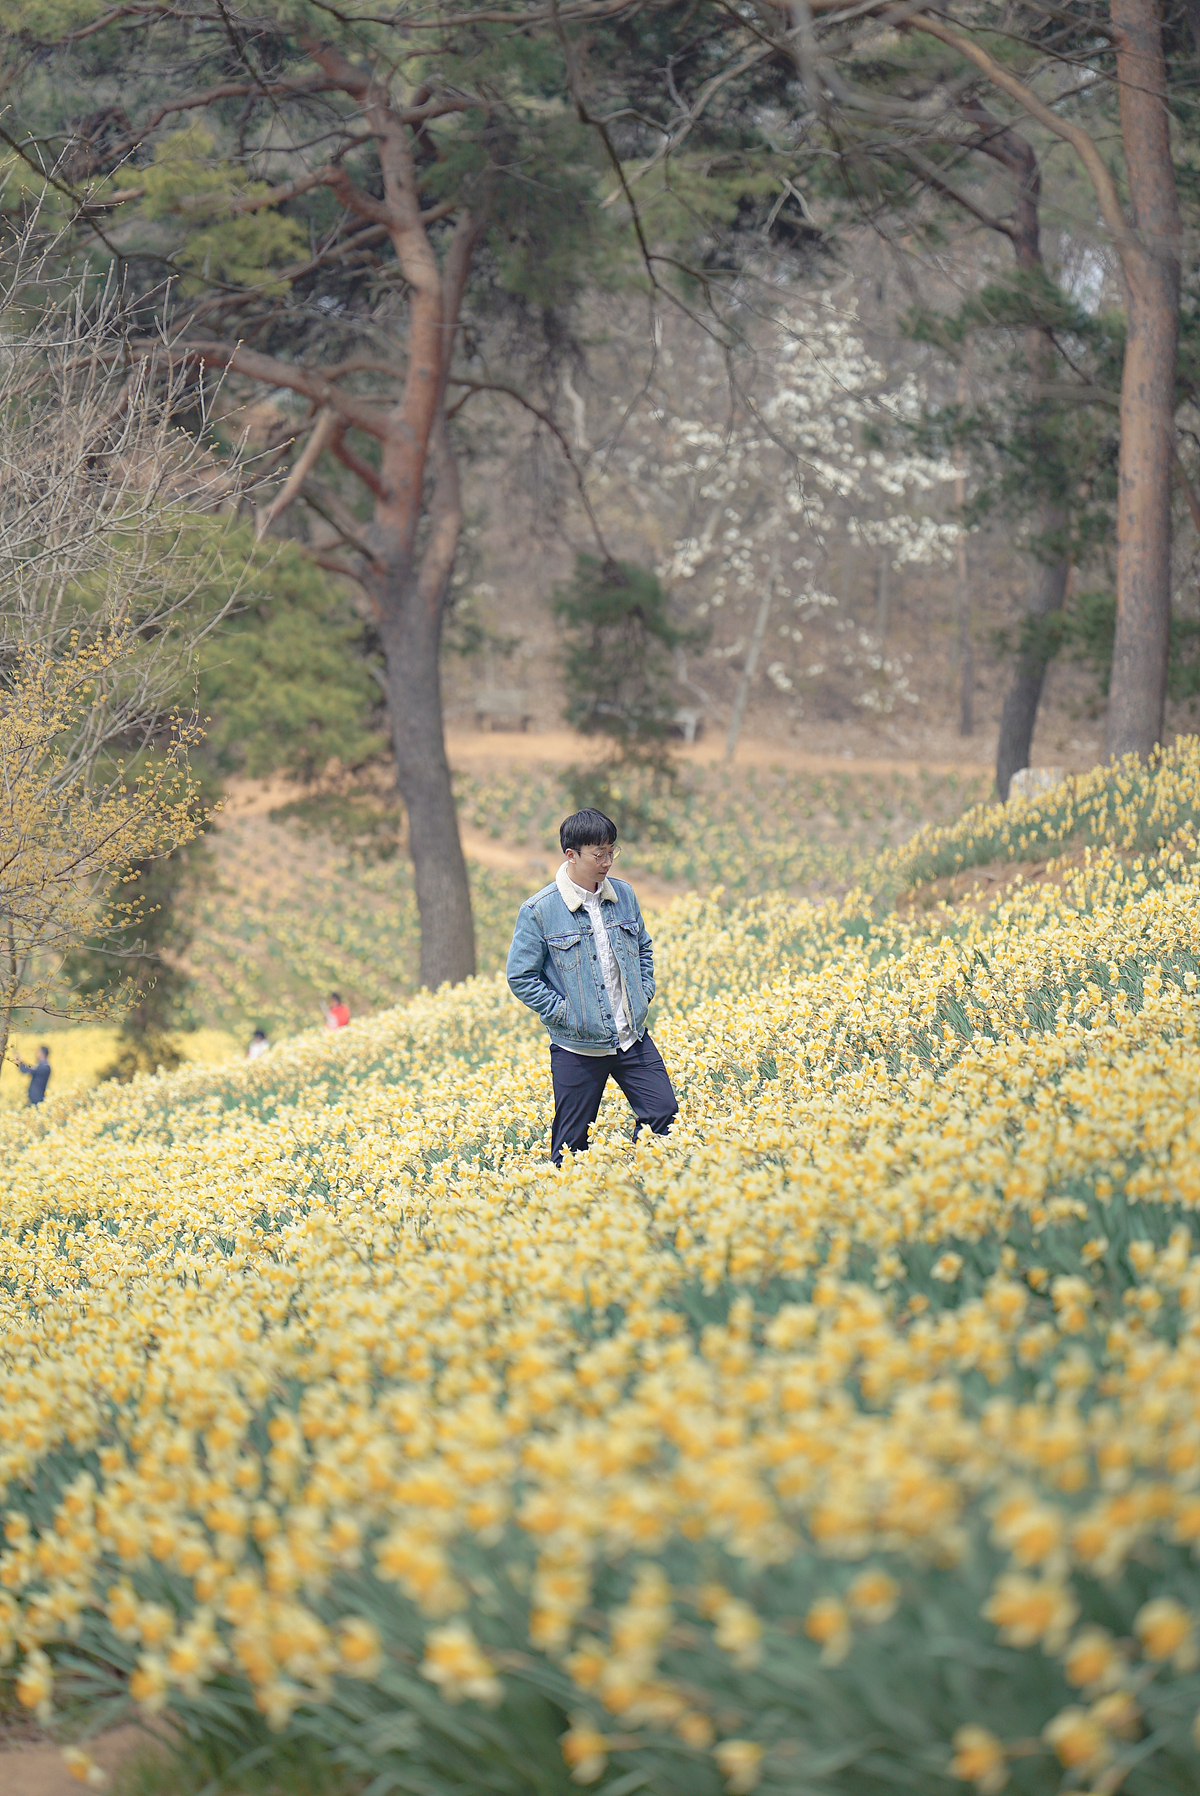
(610,972)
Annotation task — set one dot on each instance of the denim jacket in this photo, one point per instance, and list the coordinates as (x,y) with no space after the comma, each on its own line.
(553,965)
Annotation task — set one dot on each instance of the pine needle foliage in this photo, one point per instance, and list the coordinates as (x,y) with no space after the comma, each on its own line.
(619,637)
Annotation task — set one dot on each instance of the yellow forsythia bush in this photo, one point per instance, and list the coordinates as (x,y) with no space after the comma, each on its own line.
(847,1440)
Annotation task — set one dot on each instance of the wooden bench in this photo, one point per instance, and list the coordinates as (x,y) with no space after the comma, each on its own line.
(496,707)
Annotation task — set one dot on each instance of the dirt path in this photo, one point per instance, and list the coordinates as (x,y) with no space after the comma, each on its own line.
(478,750)
(481,751)
(480,847)
(37,1768)
(248,799)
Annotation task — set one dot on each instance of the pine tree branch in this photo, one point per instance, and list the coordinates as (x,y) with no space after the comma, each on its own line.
(285,88)
(1103,185)
(589,10)
(302,467)
(351,460)
(327,506)
(681,126)
(933,177)
(272,372)
(571,64)
(553,426)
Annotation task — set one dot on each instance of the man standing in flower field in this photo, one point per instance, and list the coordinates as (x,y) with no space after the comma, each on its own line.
(581,958)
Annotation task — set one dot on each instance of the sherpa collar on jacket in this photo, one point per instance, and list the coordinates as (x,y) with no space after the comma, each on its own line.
(570,893)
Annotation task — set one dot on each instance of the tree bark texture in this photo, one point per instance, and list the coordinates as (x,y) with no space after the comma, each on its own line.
(408,582)
(411,636)
(1149,244)
(1050,564)
(1046,590)
(1151,265)
(410,594)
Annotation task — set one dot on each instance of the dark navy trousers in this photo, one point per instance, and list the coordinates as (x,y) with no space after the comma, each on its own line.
(579,1081)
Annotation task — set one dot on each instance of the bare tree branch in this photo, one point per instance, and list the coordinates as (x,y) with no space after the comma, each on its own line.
(1103,185)
(272,372)
(933,176)
(556,430)
(305,462)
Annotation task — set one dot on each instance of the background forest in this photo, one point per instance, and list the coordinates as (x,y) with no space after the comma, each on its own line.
(634,370)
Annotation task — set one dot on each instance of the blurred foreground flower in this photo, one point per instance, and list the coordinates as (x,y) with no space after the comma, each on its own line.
(1029,1610)
(1164,1630)
(979,1759)
(1093,1659)
(360,1648)
(35,1684)
(1078,1739)
(84,1768)
(454,1662)
(828,1623)
(741,1765)
(585,1751)
(873,1597)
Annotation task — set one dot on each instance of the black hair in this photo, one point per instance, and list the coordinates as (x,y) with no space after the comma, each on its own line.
(335,997)
(43,1049)
(586,829)
(258,1033)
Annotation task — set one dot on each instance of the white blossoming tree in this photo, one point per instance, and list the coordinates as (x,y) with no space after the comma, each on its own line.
(754,474)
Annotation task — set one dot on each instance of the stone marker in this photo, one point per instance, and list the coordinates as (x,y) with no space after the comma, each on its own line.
(1031,782)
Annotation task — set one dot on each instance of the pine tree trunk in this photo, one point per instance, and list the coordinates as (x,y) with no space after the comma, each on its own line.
(1137,693)
(411,634)
(1046,591)
(410,604)
(1049,569)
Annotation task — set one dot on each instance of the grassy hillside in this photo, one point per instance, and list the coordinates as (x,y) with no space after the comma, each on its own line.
(318,896)
(291,907)
(844,1441)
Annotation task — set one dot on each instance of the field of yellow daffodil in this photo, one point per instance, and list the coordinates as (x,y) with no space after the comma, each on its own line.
(845,1441)
(280,920)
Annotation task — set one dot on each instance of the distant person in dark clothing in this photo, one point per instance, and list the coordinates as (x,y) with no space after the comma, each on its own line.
(38,1075)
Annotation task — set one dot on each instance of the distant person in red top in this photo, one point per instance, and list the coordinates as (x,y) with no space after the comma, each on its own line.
(337,1016)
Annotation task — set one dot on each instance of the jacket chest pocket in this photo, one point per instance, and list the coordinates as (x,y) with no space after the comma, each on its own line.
(625,938)
(566,951)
